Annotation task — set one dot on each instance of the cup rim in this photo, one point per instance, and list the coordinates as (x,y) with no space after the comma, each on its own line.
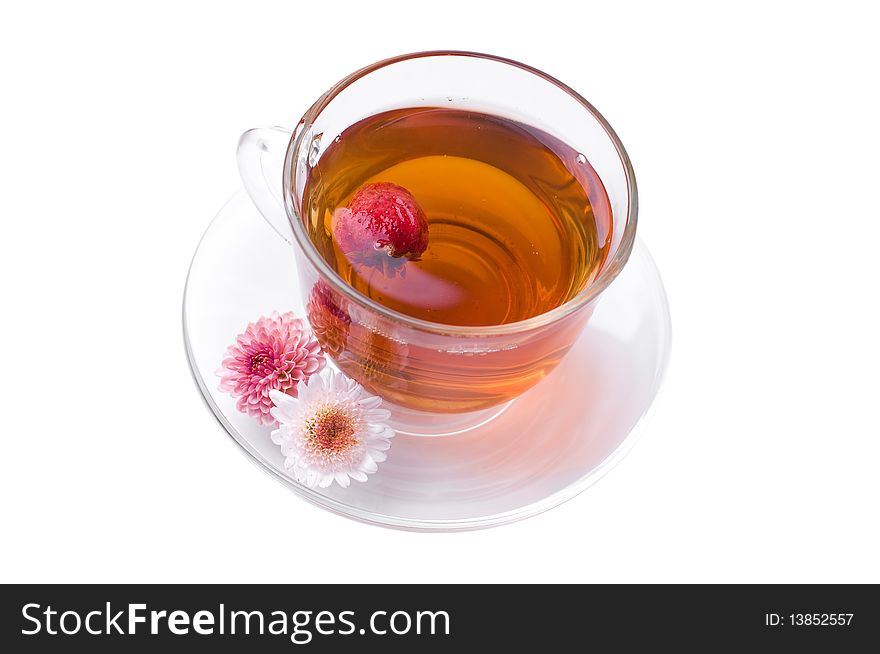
(584,297)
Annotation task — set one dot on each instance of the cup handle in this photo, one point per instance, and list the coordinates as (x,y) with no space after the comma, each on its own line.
(261,153)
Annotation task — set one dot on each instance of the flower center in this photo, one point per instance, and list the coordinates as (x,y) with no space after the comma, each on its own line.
(258,361)
(331,430)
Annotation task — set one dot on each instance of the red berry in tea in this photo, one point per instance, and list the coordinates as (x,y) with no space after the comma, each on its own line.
(382,220)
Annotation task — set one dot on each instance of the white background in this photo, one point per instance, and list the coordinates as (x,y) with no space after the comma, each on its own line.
(753,131)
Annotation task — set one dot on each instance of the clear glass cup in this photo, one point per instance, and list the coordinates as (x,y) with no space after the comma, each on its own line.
(413,363)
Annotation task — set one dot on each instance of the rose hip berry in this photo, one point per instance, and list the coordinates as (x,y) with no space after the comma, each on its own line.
(382,221)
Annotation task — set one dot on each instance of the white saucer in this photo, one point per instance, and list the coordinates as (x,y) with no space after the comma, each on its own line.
(543,449)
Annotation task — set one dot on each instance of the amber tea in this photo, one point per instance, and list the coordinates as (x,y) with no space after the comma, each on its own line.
(517,221)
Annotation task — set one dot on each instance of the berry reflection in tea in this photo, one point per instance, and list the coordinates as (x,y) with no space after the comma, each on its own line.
(458,217)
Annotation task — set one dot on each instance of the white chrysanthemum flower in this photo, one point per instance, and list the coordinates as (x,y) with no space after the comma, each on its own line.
(332,431)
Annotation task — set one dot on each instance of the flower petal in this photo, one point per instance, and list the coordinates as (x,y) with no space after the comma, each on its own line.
(378,444)
(368,465)
(370,402)
(377,415)
(311,478)
(325,480)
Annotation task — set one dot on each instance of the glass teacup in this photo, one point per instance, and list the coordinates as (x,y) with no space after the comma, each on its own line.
(410,362)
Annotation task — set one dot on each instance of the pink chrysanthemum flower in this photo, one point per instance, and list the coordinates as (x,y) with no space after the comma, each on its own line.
(275,353)
(333,432)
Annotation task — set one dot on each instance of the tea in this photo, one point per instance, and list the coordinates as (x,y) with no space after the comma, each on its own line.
(518,222)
